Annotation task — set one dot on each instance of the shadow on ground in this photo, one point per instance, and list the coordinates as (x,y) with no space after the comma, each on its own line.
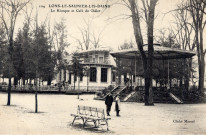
(90,128)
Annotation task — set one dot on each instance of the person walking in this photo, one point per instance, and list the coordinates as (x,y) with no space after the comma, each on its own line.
(117,105)
(108,102)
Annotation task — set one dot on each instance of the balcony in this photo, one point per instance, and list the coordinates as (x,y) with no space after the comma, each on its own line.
(92,61)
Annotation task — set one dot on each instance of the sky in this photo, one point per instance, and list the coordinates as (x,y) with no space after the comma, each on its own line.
(113,23)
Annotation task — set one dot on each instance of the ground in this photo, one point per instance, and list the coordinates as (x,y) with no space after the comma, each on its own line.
(136,119)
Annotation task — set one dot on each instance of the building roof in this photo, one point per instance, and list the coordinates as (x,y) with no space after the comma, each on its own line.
(95,50)
(160,52)
(110,62)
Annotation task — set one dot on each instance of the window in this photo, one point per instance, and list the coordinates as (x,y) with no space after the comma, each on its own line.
(93,74)
(104,75)
(90,58)
(93,60)
(96,58)
(100,59)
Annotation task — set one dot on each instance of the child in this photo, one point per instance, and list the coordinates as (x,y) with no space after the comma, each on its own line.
(117,105)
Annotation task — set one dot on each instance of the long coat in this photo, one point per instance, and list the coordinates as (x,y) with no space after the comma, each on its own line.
(109,100)
(117,104)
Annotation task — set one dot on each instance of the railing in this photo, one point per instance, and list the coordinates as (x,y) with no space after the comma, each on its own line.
(27,88)
(83,88)
(96,61)
(30,88)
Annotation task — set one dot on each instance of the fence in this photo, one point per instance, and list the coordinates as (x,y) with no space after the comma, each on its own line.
(27,88)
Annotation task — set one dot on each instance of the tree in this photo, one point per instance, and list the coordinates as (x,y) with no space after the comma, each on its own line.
(185,37)
(28,52)
(76,68)
(185,31)
(9,12)
(60,34)
(18,60)
(53,54)
(23,54)
(149,12)
(3,51)
(168,38)
(43,62)
(32,55)
(126,45)
(89,38)
(86,36)
(191,16)
(197,12)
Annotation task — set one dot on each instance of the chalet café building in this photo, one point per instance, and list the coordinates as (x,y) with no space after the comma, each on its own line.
(98,71)
(102,71)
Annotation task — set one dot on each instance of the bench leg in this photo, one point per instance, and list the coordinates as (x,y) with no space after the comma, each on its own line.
(74,120)
(95,123)
(107,125)
(82,119)
(84,122)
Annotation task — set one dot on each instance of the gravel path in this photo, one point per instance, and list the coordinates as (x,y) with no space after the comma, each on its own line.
(136,119)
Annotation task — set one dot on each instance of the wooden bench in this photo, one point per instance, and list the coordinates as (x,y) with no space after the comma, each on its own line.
(91,114)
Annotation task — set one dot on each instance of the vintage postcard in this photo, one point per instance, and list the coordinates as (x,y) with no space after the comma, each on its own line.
(116,67)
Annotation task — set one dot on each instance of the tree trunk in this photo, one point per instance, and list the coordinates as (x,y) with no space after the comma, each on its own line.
(10,49)
(74,81)
(201,75)
(188,67)
(36,102)
(202,63)
(78,86)
(24,81)
(9,92)
(36,98)
(148,78)
(196,9)
(147,61)
(49,80)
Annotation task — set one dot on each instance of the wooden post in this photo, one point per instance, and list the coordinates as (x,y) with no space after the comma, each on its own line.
(119,75)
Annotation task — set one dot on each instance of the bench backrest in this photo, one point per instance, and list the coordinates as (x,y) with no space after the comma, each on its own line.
(91,111)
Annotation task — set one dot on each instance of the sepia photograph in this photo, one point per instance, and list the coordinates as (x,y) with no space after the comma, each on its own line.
(94,67)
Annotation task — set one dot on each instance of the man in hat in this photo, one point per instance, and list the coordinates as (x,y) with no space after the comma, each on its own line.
(108,102)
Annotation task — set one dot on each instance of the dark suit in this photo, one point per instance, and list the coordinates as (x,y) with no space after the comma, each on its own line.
(108,102)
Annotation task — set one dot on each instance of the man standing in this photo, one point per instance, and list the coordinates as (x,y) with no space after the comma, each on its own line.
(108,102)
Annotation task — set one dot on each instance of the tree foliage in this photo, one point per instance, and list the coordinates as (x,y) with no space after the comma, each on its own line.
(60,35)
(191,19)
(126,45)
(76,67)
(10,10)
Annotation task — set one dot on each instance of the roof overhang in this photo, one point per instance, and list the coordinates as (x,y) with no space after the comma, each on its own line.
(159,53)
